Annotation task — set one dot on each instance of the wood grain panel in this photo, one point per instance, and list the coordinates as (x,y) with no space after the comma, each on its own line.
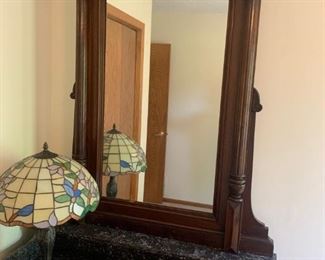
(157,122)
(113,72)
(120,89)
(127,58)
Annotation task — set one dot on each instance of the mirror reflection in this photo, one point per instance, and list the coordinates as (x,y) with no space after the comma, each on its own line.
(186,68)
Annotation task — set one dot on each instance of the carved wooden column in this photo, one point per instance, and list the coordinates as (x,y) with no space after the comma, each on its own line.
(244,17)
(91,17)
(234,212)
(79,92)
(237,184)
(96,43)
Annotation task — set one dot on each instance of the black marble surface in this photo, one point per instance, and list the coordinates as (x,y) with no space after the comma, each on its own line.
(30,251)
(96,242)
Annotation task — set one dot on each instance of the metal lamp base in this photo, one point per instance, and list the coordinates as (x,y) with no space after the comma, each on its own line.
(46,238)
(111,189)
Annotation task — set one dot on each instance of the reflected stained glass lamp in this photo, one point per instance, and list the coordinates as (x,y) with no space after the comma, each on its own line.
(45,190)
(122,155)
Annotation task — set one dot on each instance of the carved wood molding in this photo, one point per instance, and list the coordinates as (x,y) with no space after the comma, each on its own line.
(235,136)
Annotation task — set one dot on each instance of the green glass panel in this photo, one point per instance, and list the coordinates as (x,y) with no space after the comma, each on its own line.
(63,198)
(80,202)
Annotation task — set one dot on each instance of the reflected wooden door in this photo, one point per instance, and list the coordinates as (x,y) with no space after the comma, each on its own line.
(123,75)
(157,122)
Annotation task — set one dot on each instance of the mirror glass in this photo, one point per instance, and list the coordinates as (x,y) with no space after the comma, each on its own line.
(186,67)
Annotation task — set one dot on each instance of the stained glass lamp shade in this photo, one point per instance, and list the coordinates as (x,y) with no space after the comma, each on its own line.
(122,155)
(45,190)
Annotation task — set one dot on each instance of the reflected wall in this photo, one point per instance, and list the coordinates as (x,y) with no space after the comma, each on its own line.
(197,39)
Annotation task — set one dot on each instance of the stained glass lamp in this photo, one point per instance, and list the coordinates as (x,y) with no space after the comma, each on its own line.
(45,190)
(122,155)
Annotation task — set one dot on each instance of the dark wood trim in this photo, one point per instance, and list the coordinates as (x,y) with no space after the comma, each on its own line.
(188,203)
(253,229)
(95,34)
(188,225)
(232,226)
(233,145)
(80,87)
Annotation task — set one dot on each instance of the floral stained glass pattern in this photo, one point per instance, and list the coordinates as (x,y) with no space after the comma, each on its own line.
(44,192)
(122,155)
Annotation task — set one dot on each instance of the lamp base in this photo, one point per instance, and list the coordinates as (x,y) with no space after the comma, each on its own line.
(45,239)
(111,189)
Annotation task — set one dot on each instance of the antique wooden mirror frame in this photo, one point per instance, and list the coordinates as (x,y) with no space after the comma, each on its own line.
(232,225)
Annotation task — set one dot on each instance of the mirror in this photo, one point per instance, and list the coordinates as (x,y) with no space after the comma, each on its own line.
(186,68)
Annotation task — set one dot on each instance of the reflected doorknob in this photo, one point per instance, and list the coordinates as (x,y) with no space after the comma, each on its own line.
(160,134)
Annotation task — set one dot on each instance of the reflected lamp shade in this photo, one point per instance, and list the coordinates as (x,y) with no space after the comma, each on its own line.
(122,155)
(45,190)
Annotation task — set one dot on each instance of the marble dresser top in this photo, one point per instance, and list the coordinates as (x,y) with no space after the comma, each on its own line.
(83,241)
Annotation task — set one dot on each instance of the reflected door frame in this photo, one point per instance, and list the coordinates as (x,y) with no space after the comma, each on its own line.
(122,18)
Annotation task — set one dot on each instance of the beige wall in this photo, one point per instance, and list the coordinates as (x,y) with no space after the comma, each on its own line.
(37,53)
(288,181)
(196,70)
(141,10)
